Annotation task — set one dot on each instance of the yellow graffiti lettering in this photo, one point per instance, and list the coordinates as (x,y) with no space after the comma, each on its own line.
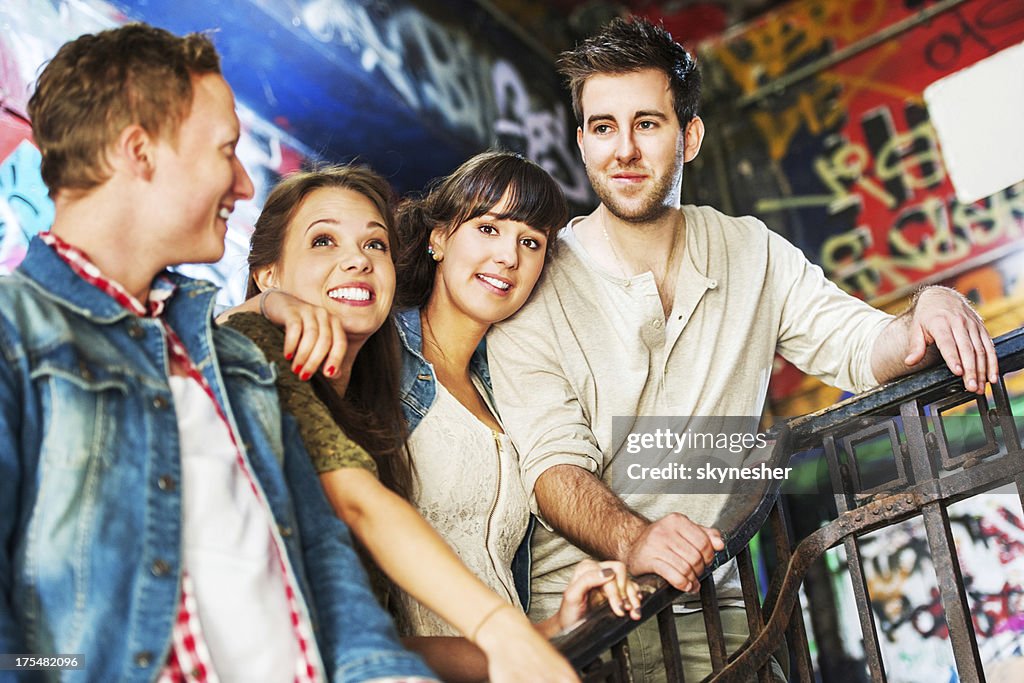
(948,232)
(847,163)
(895,159)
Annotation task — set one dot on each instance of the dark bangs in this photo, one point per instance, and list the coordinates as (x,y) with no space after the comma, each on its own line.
(534,197)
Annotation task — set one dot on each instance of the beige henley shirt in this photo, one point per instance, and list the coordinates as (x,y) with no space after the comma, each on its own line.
(590,345)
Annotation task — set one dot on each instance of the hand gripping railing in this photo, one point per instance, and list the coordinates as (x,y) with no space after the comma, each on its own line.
(910,412)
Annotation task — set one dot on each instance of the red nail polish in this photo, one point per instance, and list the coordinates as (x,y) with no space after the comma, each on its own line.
(330,371)
(288,356)
(304,376)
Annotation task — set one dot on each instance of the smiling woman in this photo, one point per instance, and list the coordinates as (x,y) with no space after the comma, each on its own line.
(337,254)
(324,239)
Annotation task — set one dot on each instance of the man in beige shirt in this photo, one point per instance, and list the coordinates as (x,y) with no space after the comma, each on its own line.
(653,308)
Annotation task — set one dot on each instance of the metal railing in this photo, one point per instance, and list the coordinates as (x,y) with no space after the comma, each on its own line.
(929,473)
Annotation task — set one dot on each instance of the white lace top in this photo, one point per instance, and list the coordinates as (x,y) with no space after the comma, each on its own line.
(467,487)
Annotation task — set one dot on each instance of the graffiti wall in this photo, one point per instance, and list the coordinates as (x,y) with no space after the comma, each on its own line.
(412,91)
(846,159)
(818,126)
(989,535)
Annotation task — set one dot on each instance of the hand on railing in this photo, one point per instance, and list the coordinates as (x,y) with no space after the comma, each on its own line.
(675,548)
(593,583)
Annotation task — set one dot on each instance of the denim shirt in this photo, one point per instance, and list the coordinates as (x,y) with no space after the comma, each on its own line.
(419,389)
(90,471)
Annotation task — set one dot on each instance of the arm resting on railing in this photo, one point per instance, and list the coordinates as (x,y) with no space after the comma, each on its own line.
(584,510)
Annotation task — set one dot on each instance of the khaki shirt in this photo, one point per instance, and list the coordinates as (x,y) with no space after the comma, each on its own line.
(590,345)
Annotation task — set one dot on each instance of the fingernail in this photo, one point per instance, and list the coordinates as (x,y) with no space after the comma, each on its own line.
(288,356)
(607,573)
(295,369)
(330,371)
(304,376)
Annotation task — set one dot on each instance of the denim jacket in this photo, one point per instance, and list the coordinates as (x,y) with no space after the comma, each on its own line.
(418,391)
(90,502)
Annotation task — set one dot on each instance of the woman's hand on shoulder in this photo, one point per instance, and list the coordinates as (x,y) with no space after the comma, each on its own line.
(313,337)
(596,582)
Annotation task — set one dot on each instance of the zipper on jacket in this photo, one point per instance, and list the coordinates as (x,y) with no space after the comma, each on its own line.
(490,516)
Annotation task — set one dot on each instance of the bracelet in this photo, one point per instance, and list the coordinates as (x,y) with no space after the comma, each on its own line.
(263,297)
(495,610)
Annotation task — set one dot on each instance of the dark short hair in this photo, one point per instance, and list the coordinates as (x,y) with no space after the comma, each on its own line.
(627,46)
(370,411)
(99,84)
(471,191)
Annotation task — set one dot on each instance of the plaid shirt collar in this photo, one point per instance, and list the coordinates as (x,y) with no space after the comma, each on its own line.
(161,290)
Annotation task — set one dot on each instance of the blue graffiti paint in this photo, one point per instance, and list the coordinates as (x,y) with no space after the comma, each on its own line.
(25,208)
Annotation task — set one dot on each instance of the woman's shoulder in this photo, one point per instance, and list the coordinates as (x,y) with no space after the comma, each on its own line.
(253,325)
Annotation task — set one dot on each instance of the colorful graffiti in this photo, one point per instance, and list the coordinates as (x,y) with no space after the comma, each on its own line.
(439,69)
(25,207)
(854,174)
(989,532)
(407,92)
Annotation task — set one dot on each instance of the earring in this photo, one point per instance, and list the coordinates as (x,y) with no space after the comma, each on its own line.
(433,254)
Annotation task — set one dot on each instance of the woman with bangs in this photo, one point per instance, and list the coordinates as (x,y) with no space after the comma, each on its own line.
(470,252)
(324,238)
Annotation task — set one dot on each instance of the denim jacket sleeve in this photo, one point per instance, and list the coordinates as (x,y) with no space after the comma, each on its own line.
(11,636)
(356,637)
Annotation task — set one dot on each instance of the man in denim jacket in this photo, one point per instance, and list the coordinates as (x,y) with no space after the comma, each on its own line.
(159,519)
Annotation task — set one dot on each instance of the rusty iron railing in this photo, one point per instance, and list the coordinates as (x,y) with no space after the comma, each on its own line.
(929,476)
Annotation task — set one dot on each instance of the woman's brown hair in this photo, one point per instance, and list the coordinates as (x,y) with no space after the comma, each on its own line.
(471,191)
(370,411)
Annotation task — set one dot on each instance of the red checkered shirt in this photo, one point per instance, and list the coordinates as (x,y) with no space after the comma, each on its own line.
(189,659)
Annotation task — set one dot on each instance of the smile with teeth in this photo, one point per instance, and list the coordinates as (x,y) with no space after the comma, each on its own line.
(224,212)
(494,282)
(350,294)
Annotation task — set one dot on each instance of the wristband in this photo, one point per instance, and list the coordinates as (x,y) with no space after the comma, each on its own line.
(495,610)
(263,297)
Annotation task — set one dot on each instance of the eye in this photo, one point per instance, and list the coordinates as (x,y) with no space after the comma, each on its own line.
(531,243)
(322,241)
(378,244)
(602,129)
(487,229)
(647,125)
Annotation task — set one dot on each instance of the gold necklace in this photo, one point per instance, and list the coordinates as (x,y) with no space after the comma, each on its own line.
(619,262)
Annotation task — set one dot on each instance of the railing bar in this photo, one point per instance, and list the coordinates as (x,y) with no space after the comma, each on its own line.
(752,605)
(943,551)
(712,623)
(872,648)
(951,589)
(780,534)
(783,552)
(751,597)
(1008,428)
(670,645)
(843,499)
(797,638)
(1007,422)
(620,655)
